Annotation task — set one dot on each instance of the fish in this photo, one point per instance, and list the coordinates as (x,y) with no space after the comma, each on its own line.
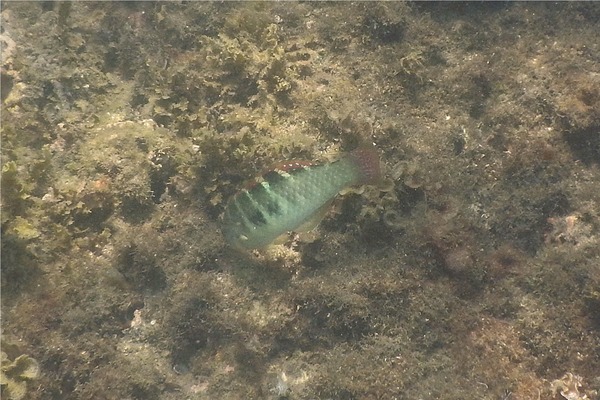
(293,196)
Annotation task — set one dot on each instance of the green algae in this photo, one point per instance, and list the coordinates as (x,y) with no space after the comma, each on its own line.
(17,371)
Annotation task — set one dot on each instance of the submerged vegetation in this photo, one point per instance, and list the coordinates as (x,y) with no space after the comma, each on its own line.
(472,273)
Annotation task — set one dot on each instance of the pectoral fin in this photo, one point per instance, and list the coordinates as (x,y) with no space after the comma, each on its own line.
(315,219)
(305,229)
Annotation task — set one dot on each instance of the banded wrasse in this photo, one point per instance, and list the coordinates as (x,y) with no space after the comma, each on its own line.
(293,194)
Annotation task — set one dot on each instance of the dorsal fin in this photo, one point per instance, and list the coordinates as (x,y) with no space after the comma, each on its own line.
(290,166)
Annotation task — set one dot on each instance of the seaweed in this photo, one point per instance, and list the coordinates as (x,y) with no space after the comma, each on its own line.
(17,372)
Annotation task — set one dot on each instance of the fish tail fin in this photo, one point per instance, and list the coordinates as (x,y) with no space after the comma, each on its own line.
(366,160)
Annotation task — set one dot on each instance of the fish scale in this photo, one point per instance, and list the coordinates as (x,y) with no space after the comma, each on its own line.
(287,196)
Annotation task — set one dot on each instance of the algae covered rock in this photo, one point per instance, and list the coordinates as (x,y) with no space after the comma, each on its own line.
(126,166)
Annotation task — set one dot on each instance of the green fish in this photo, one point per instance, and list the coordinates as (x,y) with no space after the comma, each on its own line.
(291,195)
